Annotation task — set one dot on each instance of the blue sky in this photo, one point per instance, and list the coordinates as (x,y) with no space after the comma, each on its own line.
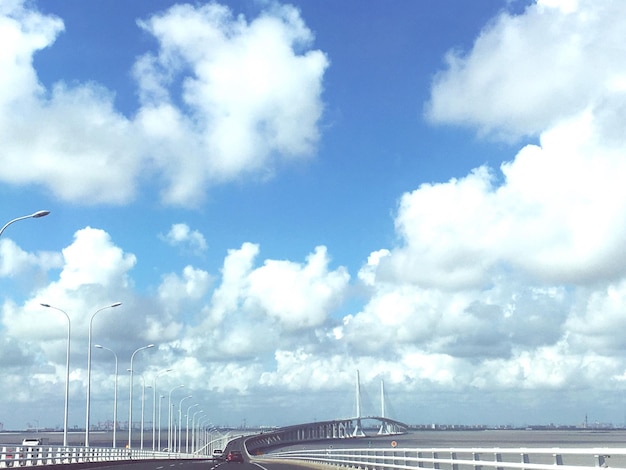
(281,194)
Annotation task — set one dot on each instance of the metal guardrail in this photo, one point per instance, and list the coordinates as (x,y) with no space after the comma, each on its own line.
(462,458)
(22,456)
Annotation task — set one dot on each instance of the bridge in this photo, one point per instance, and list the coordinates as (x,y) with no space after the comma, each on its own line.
(321,430)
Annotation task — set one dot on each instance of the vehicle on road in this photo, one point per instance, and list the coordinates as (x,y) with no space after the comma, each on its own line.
(34,441)
(218,454)
(234,456)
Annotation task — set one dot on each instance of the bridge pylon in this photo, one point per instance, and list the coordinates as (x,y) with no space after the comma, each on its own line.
(384,425)
(358,429)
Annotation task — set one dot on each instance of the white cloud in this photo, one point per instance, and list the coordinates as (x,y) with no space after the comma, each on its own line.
(82,149)
(298,370)
(250,98)
(255,309)
(23,33)
(237,266)
(521,273)
(367,273)
(93,259)
(555,217)
(512,279)
(526,72)
(194,283)
(94,274)
(299,296)
(15,262)
(250,95)
(182,235)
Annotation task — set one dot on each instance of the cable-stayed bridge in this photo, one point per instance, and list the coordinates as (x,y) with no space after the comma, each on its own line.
(320,430)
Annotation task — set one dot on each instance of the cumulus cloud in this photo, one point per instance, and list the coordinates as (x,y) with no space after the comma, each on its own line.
(556,215)
(93,259)
(250,98)
(298,296)
(23,32)
(16,262)
(193,283)
(94,273)
(182,235)
(511,278)
(254,309)
(527,72)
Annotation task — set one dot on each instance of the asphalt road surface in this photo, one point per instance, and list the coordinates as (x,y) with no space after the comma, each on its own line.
(190,465)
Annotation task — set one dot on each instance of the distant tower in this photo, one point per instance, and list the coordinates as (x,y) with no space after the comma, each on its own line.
(358,431)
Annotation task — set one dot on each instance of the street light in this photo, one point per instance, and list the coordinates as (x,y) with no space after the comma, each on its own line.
(114,396)
(130,404)
(35,215)
(180,419)
(116,304)
(161,397)
(193,430)
(201,436)
(154,404)
(67,366)
(169,418)
(143,402)
(187,428)
(172,416)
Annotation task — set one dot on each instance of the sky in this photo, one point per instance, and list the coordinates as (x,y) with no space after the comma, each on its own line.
(281,194)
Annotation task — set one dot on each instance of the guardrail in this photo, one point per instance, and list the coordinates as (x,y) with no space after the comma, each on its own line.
(462,458)
(22,456)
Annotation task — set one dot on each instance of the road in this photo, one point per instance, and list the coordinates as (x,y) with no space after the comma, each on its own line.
(192,465)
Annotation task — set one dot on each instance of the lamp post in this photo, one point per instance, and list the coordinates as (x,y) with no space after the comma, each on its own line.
(154,405)
(114,396)
(67,366)
(193,430)
(161,397)
(116,304)
(173,418)
(201,429)
(169,418)
(130,404)
(143,401)
(180,419)
(35,215)
(187,428)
